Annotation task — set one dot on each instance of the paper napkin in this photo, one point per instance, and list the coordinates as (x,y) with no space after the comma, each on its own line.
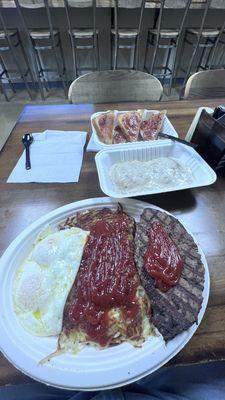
(56,156)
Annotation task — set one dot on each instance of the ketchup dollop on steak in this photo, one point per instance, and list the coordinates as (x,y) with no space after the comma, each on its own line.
(162,259)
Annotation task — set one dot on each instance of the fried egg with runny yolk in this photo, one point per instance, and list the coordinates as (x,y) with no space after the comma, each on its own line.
(43,281)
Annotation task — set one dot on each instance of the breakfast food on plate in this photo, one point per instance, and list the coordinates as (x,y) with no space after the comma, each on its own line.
(114,127)
(171,271)
(106,305)
(130,123)
(104,279)
(103,124)
(151,126)
(159,173)
(44,279)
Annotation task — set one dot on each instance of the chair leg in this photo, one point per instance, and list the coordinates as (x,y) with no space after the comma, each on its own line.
(95,50)
(214,49)
(136,54)
(6,74)
(146,55)
(191,62)
(115,52)
(41,70)
(27,64)
(99,67)
(221,58)
(63,62)
(19,69)
(211,54)
(60,74)
(154,56)
(208,58)
(177,65)
(199,66)
(36,67)
(22,75)
(167,62)
(173,65)
(74,55)
(3,90)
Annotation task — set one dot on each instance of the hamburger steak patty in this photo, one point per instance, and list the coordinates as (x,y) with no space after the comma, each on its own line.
(177,309)
(88,219)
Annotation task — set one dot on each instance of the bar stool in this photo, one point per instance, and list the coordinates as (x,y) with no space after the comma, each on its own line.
(45,40)
(220,42)
(126,38)
(9,41)
(204,38)
(160,37)
(219,47)
(85,38)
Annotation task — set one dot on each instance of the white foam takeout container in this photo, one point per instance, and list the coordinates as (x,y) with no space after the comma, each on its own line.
(202,173)
(167,128)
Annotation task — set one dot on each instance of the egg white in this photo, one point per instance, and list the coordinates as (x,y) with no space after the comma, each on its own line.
(44,279)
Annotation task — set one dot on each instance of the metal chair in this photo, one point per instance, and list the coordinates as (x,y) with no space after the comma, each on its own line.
(126,38)
(85,38)
(44,40)
(205,84)
(217,51)
(160,37)
(114,86)
(9,42)
(204,38)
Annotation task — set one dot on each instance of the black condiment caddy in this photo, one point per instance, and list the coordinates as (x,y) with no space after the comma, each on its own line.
(209,135)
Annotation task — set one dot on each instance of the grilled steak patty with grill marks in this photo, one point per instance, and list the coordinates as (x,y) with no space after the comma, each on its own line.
(177,309)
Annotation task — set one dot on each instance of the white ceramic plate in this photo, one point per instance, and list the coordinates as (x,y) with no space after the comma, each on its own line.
(91,369)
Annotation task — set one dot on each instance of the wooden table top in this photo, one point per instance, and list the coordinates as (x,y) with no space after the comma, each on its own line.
(201,209)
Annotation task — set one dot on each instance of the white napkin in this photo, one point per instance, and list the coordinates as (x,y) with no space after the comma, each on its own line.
(92,146)
(56,156)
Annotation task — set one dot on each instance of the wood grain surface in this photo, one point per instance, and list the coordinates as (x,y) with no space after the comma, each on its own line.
(201,209)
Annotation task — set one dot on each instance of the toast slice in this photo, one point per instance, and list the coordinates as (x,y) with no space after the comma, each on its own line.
(152,125)
(130,123)
(103,125)
(118,136)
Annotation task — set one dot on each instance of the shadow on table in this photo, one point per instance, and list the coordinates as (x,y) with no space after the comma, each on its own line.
(179,200)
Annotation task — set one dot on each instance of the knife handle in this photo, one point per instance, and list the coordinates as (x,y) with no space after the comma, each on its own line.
(175,139)
(28,166)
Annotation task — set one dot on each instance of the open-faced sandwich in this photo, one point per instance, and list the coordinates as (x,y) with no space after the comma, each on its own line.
(104,124)
(114,127)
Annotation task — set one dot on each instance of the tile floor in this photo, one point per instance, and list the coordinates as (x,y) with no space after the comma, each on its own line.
(10,111)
